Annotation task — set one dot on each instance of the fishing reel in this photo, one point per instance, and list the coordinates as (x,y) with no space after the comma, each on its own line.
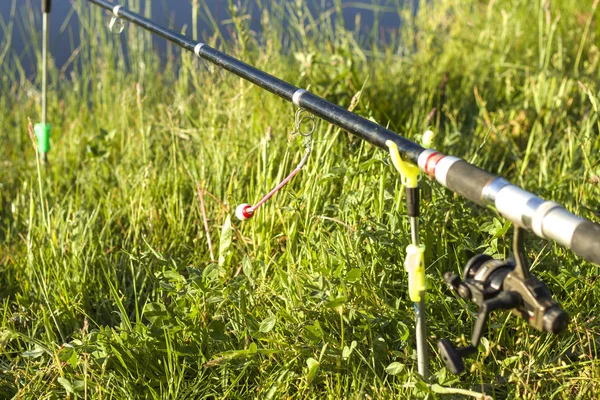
(501,285)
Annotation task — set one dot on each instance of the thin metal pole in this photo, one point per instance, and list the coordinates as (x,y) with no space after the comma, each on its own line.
(44,68)
(414,230)
(545,219)
(421,331)
(420,319)
(43,129)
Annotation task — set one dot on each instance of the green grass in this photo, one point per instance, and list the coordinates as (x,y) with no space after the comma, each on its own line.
(107,285)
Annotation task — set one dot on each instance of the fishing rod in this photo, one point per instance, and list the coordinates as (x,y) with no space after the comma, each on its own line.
(546,219)
(491,284)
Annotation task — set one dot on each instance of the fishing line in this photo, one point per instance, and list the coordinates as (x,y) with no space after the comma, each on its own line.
(246,211)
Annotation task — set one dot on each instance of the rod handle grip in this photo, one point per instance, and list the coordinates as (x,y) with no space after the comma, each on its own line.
(46,5)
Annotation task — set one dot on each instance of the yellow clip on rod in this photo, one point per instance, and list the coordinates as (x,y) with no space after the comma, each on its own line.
(410,172)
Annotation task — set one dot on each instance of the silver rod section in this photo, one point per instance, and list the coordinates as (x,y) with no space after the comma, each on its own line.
(414,230)
(44,67)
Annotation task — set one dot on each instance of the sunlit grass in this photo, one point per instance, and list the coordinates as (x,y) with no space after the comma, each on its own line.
(108,289)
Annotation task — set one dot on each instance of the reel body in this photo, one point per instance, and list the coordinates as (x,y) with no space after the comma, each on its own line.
(501,285)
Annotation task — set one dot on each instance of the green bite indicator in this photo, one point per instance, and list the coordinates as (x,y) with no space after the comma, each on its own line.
(42,134)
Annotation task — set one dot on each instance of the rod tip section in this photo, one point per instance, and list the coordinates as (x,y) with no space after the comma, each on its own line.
(244,212)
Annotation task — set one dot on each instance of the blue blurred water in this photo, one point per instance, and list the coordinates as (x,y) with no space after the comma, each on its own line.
(64,22)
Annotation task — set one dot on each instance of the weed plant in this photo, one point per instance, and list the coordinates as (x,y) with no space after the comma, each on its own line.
(107,285)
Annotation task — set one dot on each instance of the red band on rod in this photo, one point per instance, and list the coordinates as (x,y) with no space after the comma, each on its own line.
(431,162)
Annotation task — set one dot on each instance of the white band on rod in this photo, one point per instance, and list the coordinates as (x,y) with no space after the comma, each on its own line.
(198,47)
(296,97)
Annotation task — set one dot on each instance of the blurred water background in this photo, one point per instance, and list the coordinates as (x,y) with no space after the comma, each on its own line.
(377,18)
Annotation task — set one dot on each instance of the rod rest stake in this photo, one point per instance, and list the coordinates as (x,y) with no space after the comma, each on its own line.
(501,285)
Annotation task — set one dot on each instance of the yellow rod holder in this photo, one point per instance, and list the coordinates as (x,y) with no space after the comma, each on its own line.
(409,172)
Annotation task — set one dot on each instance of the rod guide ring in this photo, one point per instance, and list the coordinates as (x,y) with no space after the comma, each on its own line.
(307,118)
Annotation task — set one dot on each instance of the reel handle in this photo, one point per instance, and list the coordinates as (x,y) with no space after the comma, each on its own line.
(452,356)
